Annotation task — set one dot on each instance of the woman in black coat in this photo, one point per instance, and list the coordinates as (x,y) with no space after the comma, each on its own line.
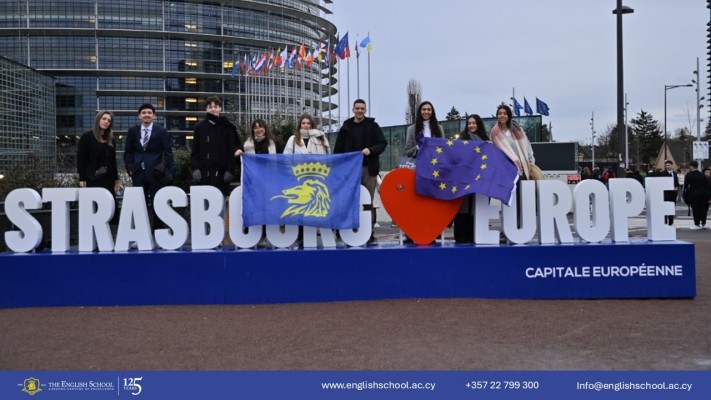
(96,155)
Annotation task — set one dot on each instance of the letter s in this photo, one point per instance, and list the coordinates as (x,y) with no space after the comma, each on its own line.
(30,234)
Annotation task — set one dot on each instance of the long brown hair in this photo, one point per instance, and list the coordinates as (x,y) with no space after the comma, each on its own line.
(297,135)
(107,135)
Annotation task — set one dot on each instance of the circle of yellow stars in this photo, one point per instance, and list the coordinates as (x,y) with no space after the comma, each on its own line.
(440,150)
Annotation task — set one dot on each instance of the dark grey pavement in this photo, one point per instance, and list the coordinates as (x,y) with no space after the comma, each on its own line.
(411,334)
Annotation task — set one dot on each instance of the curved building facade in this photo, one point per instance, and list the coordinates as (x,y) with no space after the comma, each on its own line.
(116,54)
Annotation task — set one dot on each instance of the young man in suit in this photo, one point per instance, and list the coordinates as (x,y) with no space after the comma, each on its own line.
(148,153)
(670,195)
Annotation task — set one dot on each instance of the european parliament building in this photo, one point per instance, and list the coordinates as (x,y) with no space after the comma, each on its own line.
(116,54)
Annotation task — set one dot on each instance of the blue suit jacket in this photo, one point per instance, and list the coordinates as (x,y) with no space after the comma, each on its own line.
(159,149)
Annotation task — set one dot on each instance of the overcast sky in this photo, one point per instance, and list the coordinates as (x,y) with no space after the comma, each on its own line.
(471,54)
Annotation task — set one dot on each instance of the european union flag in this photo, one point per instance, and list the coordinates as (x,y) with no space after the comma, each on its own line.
(302,189)
(527,107)
(448,169)
(541,107)
(517,107)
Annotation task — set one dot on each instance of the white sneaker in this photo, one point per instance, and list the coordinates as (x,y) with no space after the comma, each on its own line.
(696,228)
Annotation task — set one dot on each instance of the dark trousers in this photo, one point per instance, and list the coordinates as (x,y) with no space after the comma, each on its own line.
(464,228)
(699,208)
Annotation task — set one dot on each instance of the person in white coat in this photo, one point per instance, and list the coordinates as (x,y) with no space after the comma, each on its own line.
(307,139)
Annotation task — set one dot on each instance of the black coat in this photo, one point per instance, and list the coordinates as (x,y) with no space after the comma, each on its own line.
(92,155)
(215,141)
(670,195)
(696,186)
(373,139)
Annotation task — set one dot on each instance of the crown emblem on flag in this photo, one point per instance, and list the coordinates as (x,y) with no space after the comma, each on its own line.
(314,169)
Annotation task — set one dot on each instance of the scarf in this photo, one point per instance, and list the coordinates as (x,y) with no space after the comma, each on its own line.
(249,146)
(521,141)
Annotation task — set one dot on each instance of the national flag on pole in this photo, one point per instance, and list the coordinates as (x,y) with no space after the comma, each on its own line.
(292,58)
(235,68)
(366,43)
(342,47)
(448,169)
(527,107)
(327,51)
(541,107)
(260,63)
(517,107)
(302,52)
(302,189)
(243,66)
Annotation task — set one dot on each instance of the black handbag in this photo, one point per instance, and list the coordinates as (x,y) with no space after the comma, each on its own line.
(99,173)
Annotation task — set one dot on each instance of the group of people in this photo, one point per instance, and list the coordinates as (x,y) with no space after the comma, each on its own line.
(507,135)
(216,147)
(694,188)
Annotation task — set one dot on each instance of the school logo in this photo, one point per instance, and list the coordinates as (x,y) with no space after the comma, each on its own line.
(31,386)
(311,198)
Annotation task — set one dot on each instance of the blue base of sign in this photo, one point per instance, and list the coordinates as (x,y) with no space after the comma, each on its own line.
(640,269)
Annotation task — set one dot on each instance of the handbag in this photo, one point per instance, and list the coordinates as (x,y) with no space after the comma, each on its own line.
(99,173)
(686,195)
(536,173)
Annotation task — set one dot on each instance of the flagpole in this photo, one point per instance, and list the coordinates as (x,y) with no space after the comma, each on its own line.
(357,68)
(320,94)
(338,71)
(370,105)
(348,82)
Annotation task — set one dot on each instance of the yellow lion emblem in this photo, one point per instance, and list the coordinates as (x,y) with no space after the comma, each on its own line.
(311,199)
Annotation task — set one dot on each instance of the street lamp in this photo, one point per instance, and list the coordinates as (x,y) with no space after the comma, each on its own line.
(627,152)
(592,144)
(669,87)
(619,11)
(698,105)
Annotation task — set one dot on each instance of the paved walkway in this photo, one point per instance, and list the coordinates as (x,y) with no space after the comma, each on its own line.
(410,334)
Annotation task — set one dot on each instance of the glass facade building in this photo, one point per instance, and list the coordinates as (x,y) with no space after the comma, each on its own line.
(27,116)
(116,54)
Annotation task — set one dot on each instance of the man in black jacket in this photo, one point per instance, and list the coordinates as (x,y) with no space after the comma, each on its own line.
(670,195)
(363,134)
(215,140)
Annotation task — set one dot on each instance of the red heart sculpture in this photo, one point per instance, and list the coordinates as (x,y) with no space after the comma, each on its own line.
(421,218)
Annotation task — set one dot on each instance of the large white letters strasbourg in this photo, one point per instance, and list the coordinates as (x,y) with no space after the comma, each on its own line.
(596,210)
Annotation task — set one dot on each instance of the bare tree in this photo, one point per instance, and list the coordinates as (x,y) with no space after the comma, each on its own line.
(414,98)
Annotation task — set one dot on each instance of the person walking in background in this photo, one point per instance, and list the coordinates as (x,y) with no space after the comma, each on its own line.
(696,186)
(361,133)
(96,157)
(585,174)
(307,139)
(464,220)
(148,154)
(670,195)
(707,176)
(680,178)
(425,125)
(260,140)
(215,139)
